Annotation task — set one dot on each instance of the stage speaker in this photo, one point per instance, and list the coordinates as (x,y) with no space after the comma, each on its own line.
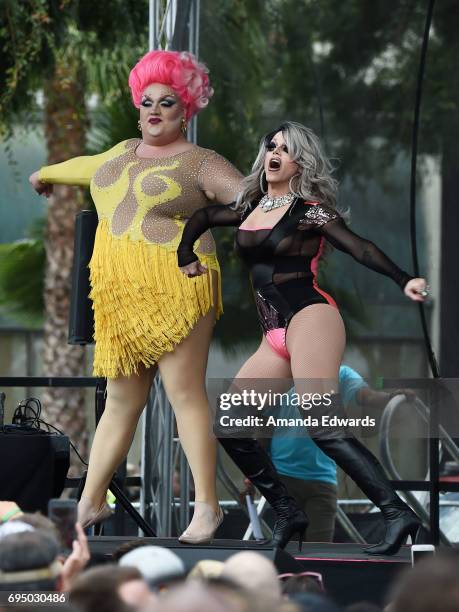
(81,318)
(219,550)
(33,466)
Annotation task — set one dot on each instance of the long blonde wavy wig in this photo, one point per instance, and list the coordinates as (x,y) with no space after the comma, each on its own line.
(314,181)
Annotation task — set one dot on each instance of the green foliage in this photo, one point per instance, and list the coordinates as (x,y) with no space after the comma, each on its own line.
(112,122)
(37,34)
(22,265)
(236,49)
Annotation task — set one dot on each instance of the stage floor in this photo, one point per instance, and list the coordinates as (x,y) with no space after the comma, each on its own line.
(344,553)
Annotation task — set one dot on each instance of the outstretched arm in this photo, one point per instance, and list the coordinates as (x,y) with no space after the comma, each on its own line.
(329,223)
(362,250)
(216,215)
(76,171)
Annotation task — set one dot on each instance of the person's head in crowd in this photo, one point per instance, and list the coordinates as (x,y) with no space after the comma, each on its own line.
(431,586)
(363,606)
(206,569)
(302,583)
(255,573)
(28,558)
(12,527)
(10,511)
(288,606)
(39,521)
(216,595)
(313,602)
(159,566)
(127,547)
(111,589)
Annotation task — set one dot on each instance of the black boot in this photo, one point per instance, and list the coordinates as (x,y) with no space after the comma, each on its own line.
(366,471)
(255,464)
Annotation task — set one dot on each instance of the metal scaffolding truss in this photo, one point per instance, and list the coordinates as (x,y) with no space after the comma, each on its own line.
(174,25)
(162,457)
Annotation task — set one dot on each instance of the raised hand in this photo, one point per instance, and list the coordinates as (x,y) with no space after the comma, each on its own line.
(416,289)
(195,268)
(41,188)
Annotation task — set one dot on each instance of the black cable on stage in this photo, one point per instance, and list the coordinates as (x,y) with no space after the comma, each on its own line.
(28,415)
(414,158)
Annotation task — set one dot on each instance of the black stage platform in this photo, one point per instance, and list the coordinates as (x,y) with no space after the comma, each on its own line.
(349,575)
(348,572)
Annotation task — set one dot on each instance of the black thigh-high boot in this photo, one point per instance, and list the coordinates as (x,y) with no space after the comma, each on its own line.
(366,471)
(255,463)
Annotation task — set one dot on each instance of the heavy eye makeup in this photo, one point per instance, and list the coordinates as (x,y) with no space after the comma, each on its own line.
(272,146)
(166,102)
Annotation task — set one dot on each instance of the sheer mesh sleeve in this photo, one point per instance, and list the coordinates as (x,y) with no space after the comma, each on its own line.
(220,177)
(217,215)
(329,223)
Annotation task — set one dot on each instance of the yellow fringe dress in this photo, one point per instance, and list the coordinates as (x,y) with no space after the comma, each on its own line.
(143,305)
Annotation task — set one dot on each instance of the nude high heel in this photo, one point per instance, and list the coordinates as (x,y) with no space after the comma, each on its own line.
(203,526)
(89,516)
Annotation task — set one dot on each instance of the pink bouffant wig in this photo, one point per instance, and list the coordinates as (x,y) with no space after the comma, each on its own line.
(180,70)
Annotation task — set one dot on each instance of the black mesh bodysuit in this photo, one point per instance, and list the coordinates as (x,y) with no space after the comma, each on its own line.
(283,260)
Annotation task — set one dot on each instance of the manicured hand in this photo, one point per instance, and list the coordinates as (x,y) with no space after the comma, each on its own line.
(195,268)
(41,188)
(414,288)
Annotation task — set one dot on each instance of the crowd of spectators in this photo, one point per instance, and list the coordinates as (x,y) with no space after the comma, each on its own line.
(144,578)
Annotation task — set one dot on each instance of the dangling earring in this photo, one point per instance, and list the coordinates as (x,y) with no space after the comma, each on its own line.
(139,125)
(184,126)
(262,187)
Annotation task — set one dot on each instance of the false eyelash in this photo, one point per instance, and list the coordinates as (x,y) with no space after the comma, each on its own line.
(148,102)
(272,147)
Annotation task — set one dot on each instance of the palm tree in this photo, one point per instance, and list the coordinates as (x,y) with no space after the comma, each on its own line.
(68,49)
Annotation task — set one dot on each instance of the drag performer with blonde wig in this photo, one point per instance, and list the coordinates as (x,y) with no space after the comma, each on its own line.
(147,315)
(285,214)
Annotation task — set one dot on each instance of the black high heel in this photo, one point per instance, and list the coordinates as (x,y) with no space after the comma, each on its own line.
(255,463)
(400,523)
(290,521)
(366,471)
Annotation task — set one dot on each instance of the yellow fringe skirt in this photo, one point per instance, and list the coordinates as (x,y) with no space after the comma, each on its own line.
(143,305)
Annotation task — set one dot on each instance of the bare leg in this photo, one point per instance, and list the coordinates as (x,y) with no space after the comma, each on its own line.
(183,374)
(126,398)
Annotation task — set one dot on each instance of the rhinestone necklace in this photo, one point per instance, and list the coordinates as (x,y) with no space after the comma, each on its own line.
(267,203)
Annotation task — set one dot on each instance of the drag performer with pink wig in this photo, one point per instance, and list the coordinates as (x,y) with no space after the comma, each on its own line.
(147,315)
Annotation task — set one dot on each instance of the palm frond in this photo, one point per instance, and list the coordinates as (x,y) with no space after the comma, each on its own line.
(22,267)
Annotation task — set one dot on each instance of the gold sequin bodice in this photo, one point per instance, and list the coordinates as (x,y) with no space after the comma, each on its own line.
(150,199)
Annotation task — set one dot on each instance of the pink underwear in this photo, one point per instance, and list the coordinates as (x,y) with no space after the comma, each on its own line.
(276,340)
